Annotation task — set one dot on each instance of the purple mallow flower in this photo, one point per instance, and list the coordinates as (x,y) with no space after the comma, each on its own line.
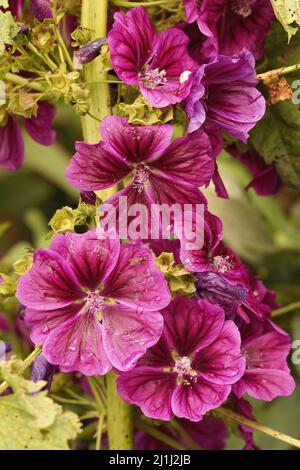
(192,368)
(162,172)
(93,304)
(11,140)
(214,256)
(265,347)
(232,25)
(158,64)
(224,94)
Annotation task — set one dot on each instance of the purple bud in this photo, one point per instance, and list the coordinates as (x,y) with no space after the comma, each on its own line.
(215,289)
(43,370)
(87,53)
(89,197)
(41,9)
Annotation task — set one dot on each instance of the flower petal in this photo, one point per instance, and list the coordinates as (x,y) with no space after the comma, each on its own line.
(76,345)
(187,159)
(130,43)
(150,389)
(191,325)
(128,333)
(165,190)
(91,259)
(43,322)
(50,283)
(193,401)
(265,384)
(11,145)
(92,168)
(222,361)
(134,143)
(136,281)
(40,127)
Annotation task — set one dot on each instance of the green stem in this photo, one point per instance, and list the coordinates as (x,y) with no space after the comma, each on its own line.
(11,77)
(26,363)
(276,73)
(119,418)
(258,427)
(160,436)
(286,309)
(94,17)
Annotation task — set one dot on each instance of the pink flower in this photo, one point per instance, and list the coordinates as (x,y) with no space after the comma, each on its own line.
(192,368)
(157,63)
(215,256)
(92,303)
(11,140)
(265,347)
(162,172)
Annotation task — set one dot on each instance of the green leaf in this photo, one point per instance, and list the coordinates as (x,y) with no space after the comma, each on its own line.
(288,13)
(8,30)
(277,138)
(30,419)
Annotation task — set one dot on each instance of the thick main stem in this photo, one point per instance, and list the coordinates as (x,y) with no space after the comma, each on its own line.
(119,418)
(94,17)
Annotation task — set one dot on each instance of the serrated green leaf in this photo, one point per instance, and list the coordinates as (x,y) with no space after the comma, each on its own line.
(277,138)
(288,13)
(30,419)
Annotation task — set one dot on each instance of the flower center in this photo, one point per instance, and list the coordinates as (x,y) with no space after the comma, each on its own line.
(141,178)
(183,368)
(242,7)
(94,301)
(152,78)
(223,264)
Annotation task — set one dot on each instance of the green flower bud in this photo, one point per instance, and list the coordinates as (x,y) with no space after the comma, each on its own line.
(23,264)
(63,220)
(180,280)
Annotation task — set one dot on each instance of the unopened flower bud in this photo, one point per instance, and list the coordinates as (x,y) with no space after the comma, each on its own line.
(87,53)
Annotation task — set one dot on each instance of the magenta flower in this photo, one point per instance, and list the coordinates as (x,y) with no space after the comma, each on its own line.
(214,256)
(162,172)
(224,94)
(16,7)
(265,348)
(92,303)
(11,140)
(158,64)
(192,368)
(265,179)
(232,25)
